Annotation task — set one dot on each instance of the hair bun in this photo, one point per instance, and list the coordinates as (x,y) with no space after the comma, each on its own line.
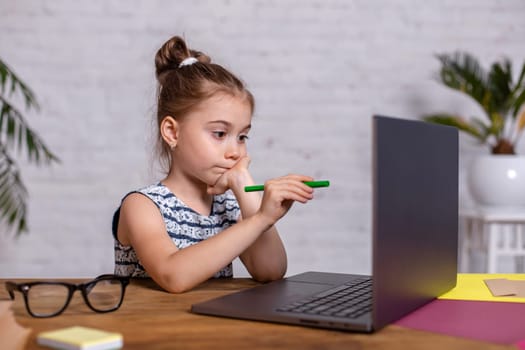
(172,53)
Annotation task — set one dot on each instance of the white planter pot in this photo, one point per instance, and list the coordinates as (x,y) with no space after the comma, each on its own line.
(498,180)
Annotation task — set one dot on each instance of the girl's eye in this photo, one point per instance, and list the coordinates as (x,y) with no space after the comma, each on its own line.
(219,134)
(243,138)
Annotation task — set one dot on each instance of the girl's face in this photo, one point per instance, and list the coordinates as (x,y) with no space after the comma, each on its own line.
(212,138)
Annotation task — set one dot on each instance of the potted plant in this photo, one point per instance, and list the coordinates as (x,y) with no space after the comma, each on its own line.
(16,136)
(497,178)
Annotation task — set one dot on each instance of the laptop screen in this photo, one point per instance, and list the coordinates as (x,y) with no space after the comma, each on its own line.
(415,214)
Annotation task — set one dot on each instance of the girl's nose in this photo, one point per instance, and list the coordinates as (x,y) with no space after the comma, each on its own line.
(232,154)
(233,151)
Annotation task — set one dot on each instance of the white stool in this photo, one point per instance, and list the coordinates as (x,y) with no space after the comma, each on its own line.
(492,233)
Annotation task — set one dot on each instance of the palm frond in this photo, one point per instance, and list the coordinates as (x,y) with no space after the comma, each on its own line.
(13,194)
(520,79)
(518,93)
(462,72)
(15,134)
(501,99)
(520,126)
(518,103)
(7,75)
(499,85)
(472,129)
(497,127)
(484,129)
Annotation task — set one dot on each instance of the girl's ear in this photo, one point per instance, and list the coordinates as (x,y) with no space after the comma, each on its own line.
(169,129)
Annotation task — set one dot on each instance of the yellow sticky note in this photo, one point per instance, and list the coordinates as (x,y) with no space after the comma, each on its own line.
(80,338)
(471,286)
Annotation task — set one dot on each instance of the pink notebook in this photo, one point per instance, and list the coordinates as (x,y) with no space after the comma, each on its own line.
(495,322)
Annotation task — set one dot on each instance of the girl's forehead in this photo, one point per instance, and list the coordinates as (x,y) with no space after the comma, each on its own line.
(221,106)
(224,100)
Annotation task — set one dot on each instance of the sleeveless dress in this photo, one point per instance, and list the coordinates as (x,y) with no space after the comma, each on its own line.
(184,226)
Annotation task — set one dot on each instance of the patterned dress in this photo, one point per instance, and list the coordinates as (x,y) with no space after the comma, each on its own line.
(184,226)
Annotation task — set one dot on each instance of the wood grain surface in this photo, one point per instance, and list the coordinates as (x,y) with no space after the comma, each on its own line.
(151,318)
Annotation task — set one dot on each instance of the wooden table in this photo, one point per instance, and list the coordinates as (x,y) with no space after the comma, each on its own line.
(150,318)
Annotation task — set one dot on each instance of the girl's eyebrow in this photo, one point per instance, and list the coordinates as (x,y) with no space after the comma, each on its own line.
(228,124)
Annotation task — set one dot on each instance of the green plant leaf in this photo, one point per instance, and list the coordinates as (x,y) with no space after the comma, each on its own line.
(15,134)
(518,103)
(499,85)
(13,194)
(460,123)
(13,127)
(498,125)
(521,77)
(7,74)
(482,127)
(462,72)
(518,93)
(501,99)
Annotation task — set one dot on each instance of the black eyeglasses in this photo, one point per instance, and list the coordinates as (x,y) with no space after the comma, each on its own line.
(48,298)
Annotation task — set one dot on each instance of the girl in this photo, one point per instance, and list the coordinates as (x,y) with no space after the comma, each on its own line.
(189,226)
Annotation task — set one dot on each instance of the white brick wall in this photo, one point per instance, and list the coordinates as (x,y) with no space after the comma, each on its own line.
(318,69)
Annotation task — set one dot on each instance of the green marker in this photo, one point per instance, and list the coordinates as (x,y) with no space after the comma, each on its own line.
(313,184)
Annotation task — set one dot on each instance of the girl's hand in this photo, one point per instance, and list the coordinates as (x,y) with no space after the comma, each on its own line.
(280,193)
(237,175)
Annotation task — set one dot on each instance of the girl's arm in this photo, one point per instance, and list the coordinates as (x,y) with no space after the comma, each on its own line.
(265,259)
(141,225)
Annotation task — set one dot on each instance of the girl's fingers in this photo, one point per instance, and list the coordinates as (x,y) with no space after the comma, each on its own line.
(280,194)
(290,192)
(289,185)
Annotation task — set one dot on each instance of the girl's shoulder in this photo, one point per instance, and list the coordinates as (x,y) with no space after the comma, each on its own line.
(164,198)
(155,189)
(157,192)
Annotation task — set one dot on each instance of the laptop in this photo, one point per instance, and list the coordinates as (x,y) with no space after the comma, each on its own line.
(414,243)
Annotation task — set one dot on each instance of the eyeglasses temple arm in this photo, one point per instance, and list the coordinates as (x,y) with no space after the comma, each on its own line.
(11,287)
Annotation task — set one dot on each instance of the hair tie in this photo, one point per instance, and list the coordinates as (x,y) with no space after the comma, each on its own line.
(188,61)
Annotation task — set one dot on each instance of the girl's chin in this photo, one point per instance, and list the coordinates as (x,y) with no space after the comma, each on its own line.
(212,181)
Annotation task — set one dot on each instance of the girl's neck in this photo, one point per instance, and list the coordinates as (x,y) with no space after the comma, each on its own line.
(192,193)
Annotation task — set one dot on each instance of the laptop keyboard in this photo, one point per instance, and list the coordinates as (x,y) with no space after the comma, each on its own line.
(350,300)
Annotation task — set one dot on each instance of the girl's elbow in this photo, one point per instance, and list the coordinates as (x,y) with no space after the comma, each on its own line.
(275,277)
(176,289)
(269,276)
(173,284)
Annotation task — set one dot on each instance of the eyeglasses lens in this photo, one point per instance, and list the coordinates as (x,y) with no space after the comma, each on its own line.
(105,295)
(47,299)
